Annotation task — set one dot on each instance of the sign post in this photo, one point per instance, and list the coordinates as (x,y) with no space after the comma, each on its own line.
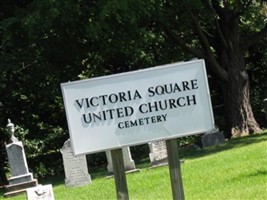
(119,174)
(175,169)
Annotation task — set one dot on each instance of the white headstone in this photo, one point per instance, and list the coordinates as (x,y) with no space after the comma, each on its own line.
(127,159)
(17,159)
(76,170)
(158,152)
(18,164)
(20,177)
(41,192)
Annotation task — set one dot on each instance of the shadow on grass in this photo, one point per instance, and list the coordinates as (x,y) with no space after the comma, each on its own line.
(99,172)
(251,175)
(54,180)
(229,144)
(96,172)
(258,173)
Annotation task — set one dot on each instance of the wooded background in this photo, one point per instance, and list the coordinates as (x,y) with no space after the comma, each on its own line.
(45,43)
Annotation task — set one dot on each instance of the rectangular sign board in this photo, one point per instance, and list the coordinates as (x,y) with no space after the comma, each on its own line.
(126,109)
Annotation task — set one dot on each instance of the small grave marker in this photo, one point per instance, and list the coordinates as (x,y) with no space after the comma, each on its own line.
(158,153)
(40,192)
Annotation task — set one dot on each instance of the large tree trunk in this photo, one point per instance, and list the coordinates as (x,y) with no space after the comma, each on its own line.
(223,51)
(239,116)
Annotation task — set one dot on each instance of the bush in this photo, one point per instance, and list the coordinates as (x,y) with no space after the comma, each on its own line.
(46,165)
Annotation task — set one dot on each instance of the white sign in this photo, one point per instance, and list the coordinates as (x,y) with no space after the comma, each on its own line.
(132,108)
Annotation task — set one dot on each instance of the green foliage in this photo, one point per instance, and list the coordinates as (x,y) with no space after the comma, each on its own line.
(45,43)
(33,147)
(256,62)
(94,161)
(45,165)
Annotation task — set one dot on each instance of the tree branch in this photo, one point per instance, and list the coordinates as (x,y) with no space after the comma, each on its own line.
(203,40)
(181,42)
(209,55)
(216,16)
(226,4)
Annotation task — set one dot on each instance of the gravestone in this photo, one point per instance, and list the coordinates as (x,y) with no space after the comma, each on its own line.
(41,192)
(18,163)
(158,153)
(213,138)
(129,164)
(75,167)
(20,177)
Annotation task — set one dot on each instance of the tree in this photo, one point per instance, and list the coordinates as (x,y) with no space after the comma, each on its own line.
(223,31)
(45,43)
(257,70)
(38,51)
(56,41)
(220,31)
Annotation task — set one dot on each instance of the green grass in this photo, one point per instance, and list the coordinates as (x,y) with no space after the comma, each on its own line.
(235,170)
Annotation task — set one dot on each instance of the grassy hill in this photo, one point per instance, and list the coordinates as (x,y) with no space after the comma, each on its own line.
(235,170)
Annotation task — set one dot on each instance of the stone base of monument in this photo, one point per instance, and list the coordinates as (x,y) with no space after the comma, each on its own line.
(19,188)
(20,179)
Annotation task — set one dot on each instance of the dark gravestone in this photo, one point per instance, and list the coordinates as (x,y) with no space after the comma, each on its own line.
(213,138)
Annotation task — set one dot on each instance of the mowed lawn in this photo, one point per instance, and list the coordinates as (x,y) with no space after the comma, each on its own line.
(236,170)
